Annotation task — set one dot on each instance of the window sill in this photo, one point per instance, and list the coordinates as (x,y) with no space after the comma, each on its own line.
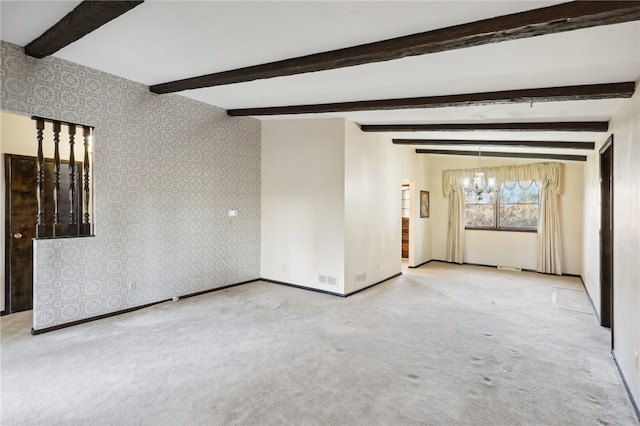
(531,231)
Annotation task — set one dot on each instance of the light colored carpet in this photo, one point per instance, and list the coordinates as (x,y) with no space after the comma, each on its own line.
(441,344)
(571,300)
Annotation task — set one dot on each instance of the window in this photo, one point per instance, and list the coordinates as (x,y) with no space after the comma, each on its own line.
(514,207)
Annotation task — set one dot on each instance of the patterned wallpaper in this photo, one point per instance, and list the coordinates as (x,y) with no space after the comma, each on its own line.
(166,171)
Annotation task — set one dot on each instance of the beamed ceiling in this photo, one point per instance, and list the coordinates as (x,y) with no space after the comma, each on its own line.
(532,79)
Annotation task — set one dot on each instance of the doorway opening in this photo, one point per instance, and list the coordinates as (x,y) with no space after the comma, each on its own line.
(46,180)
(606,235)
(21,211)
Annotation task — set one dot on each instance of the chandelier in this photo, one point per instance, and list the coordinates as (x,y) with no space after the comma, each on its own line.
(480,184)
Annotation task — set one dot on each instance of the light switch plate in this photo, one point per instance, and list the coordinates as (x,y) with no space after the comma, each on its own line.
(233,213)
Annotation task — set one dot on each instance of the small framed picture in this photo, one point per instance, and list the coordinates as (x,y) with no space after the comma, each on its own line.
(424,203)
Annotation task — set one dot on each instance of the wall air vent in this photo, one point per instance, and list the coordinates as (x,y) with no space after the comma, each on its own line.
(327,280)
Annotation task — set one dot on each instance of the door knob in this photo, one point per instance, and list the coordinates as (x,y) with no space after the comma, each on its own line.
(17,235)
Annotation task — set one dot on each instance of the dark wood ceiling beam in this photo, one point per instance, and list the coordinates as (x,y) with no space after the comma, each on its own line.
(548,20)
(547,94)
(86,17)
(529,144)
(567,126)
(531,155)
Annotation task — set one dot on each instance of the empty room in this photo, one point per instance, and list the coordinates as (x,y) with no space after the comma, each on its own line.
(320,212)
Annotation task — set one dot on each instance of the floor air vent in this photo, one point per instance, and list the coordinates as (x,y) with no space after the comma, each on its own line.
(509,268)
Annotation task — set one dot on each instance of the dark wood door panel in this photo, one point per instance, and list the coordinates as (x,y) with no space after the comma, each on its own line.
(405,237)
(22,208)
(21,211)
(606,235)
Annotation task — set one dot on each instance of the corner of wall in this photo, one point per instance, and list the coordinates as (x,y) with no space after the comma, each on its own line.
(302,220)
(373,178)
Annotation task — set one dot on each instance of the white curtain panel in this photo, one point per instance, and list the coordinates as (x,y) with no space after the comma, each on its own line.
(549,177)
(455,233)
(549,244)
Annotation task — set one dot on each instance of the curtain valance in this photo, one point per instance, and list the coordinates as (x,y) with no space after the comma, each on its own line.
(548,174)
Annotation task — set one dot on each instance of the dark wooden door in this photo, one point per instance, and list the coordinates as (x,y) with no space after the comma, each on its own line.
(405,237)
(21,211)
(606,235)
(406,213)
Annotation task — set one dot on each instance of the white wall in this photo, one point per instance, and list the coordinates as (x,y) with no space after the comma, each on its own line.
(303,202)
(331,204)
(373,183)
(591,224)
(516,249)
(571,211)
(625,127)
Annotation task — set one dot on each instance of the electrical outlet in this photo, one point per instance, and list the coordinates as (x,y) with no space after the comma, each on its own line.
(132,285)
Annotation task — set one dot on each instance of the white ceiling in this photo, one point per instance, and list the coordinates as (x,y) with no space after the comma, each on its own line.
(161,41)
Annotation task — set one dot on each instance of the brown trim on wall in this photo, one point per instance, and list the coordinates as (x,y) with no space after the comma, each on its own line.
(484,266)
(135,308)
(422,264)
(329,292)
(302,287)
(593,305)
(198,293)
(634,403)
(374,284)
(97,317)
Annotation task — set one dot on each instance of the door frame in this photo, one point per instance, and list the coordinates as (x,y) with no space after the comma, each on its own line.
(8,236)
(7,233)
(606,218)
